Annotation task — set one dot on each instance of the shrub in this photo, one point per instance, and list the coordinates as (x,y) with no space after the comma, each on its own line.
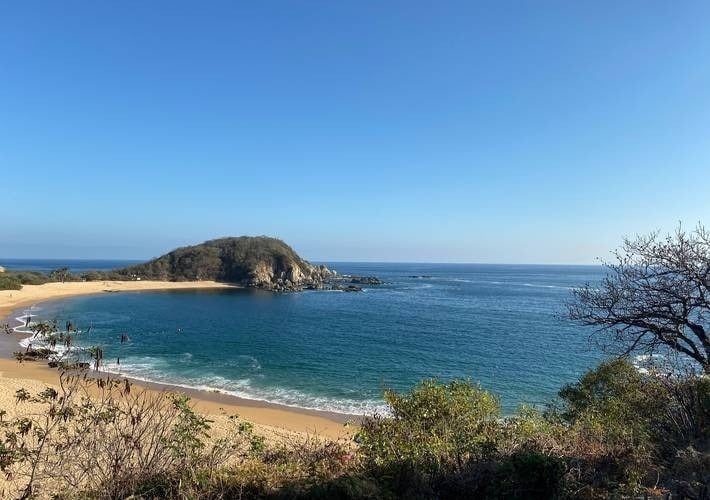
(628,429)
(100,436)
(433,431)
(524,474)
(609,412)
(93,276)
(9,282)
(617,433)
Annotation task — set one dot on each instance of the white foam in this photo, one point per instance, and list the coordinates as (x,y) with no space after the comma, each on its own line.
(670,364)
(510,283)
(146,371)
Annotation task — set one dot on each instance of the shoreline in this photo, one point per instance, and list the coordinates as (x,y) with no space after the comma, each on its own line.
(12,300)
(13,304)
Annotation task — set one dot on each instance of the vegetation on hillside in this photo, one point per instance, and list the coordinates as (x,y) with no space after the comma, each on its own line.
(13,280)
(614,433)
(225,259)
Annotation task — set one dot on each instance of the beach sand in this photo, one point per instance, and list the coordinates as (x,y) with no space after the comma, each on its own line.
(276,426)
(11,300)
(271,420)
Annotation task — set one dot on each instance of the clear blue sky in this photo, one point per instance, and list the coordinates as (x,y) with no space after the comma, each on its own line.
(530,132)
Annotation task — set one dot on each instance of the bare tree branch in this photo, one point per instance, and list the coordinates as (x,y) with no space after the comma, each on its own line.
(655,295)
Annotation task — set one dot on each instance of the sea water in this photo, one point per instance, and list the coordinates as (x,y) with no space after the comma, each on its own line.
(503,326)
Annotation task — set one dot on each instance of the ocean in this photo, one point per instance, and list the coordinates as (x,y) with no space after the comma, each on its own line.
(502,326)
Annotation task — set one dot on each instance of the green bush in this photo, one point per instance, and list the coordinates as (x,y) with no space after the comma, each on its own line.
(13,280)
(628,430)
(431,434)
(9,282)
(93,276)
(609,390)
(531,474)
(31,277)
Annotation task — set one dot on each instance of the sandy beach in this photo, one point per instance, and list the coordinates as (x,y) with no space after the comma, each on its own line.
(11,300)
(271,420)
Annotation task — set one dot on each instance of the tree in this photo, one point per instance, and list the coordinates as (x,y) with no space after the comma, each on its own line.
(655,296)
(61,274)
(434,427)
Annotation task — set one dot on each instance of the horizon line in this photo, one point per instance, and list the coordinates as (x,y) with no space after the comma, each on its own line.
(327,261)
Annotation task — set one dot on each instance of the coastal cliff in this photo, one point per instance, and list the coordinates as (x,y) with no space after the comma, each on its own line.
(258,262)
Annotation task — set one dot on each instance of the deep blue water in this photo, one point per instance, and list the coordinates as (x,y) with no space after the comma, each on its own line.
(502,326)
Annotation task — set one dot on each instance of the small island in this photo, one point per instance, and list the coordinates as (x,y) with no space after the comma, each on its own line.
(257,262)
(251,261)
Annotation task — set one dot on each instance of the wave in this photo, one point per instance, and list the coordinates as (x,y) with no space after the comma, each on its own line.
(60,349)
(509,283)
(145,370)
(148,369)
(668,364)
(416,287)
(22,321)
(535,285)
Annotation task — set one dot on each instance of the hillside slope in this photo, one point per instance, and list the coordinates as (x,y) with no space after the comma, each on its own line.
(254,261)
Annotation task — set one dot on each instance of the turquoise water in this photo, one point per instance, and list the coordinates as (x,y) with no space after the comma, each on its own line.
(502,326)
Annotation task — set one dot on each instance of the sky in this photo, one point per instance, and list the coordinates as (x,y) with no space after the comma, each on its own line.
(452,131)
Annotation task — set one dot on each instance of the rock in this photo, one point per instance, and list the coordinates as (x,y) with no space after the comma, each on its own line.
(365,280)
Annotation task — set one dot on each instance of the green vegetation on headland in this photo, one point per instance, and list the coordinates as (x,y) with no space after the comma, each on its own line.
(252,261)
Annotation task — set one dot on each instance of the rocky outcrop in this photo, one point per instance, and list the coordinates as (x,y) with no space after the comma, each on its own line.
(289,276)
(349,283)
(257,262)
(365,280)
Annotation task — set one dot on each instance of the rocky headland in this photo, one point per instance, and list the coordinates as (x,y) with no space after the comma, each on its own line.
(250,261)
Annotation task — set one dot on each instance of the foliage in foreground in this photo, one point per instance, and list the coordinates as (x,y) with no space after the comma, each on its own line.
(614,433)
